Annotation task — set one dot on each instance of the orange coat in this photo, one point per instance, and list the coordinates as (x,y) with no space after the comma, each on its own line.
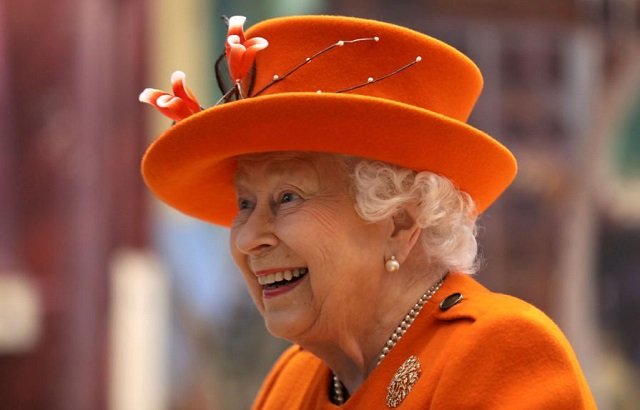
(489,351)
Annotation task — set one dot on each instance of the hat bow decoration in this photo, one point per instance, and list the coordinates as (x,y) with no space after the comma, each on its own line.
(178,106)
(239,55)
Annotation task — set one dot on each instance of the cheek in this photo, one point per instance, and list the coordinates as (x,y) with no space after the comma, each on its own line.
(340,229)
(311,234)
(319,222)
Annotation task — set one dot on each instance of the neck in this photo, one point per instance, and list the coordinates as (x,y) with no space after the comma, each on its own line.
(354,348)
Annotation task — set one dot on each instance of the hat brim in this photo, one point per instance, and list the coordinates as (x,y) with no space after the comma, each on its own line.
(192,165)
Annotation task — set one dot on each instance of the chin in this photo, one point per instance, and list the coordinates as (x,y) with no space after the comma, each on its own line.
(288,328)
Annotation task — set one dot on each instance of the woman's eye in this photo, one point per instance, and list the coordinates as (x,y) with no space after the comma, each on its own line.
(288,197)
(243,204)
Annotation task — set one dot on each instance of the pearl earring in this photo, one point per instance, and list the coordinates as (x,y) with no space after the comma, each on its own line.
(392,264)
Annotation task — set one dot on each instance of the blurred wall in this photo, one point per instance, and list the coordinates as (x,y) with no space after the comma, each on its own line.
(72,136)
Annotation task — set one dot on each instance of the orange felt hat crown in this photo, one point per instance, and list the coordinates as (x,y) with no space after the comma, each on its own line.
(393,95)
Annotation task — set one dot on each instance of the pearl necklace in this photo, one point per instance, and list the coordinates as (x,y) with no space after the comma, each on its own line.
(338,388)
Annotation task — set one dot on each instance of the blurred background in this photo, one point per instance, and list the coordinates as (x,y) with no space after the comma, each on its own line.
(110,300)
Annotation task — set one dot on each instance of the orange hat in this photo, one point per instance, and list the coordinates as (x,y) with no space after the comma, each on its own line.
(327,84)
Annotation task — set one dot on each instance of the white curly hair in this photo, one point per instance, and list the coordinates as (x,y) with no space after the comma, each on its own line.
(446,215)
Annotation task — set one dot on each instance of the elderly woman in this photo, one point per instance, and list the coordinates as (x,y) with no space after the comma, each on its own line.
(340,157)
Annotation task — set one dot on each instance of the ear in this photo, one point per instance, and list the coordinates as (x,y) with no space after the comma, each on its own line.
(405,234)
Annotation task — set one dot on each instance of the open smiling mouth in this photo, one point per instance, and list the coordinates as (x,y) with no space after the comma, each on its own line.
(280,279)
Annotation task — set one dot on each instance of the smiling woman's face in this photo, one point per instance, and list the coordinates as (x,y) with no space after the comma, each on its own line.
(310,262)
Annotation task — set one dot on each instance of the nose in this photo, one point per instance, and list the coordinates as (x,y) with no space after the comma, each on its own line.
(256,234)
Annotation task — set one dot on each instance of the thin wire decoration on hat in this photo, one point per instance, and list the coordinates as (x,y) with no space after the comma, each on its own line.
(239,55)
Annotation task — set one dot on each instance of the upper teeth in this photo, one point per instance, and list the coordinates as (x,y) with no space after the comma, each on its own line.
(279,276)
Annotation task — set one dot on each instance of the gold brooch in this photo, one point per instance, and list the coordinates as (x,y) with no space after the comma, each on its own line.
(403,381)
